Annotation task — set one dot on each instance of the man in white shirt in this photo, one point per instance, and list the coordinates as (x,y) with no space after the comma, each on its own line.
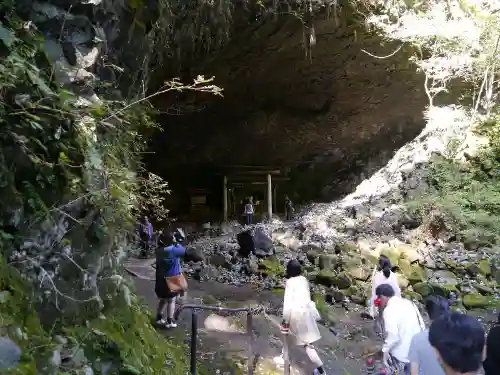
(402,321)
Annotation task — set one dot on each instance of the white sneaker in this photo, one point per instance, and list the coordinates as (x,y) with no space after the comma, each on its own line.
(171,324)
(161,323)
(279,360)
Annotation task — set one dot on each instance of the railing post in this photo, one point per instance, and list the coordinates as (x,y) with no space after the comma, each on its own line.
(250,343)
(194,338)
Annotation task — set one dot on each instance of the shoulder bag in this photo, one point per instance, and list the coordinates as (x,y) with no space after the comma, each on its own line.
(177,283)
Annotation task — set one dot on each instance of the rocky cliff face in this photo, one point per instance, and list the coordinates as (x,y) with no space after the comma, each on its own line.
(339,114)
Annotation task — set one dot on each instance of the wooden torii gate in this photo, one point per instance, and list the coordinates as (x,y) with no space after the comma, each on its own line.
(241,175)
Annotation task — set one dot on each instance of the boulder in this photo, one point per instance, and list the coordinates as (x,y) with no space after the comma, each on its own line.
(392,253)
(417,274)
(258,243)
(484,267)
(10,353)
(443,277)
(402,281)
(426,289)
(334,296)
(478,301)
(313,256)
(271,266)
(404,266)
(263,241)
(359,273)
(329,279)
(484,290)
(328,262)
(246,243)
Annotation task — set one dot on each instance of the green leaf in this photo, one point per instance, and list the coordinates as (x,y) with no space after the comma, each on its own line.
(7,37)
(38,81)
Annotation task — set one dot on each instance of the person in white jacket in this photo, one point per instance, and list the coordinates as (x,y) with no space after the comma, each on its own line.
(300,315)
(402,321)
(382,275)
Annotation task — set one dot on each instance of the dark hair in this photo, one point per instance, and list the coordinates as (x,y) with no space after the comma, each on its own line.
(385,265)
(384,290)
(166,238)
(436,306)
(459,340)
(293,268)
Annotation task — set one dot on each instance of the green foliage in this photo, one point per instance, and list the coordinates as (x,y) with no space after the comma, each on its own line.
(69,186)
(122,340)
(465,198)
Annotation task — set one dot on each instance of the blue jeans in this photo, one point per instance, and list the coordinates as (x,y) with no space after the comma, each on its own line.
(249,218)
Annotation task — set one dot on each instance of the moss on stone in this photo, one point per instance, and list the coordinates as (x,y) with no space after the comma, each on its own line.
(474,301)
(484,267)
(327,278)
(417,274)
(271,266)
(405,266)
(412,295)
(426,289)
(392,253)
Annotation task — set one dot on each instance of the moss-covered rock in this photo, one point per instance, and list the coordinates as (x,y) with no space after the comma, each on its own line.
(450,263)
(402,281)
(340,280)
(484,267)
(484,289)
(392,253)
(328,262)
(404,266)
(313,255)
(426,289)
(412,295)
(271,267)
(417,274)
(475,301)
(360,273)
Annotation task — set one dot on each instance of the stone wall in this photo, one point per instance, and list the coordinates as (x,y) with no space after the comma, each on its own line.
(334,119)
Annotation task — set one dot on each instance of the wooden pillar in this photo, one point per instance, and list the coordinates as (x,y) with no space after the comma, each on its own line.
(269,197)
(224,194)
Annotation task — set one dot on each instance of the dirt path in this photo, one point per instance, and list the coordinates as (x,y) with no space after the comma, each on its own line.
(221,337)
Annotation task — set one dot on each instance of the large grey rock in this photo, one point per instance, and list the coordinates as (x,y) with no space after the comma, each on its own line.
(10,353)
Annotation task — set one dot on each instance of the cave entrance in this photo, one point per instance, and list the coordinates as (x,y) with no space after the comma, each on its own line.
(260,182)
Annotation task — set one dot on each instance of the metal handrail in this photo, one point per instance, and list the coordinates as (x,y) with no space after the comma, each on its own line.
(250,311)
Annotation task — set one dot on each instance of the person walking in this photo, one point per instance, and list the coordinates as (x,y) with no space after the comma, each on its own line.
(288,208)
(459,343)
(146,235)
(402,321)
(422,356)
(382,275)
(249,211)
(491,364)
(300,315)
